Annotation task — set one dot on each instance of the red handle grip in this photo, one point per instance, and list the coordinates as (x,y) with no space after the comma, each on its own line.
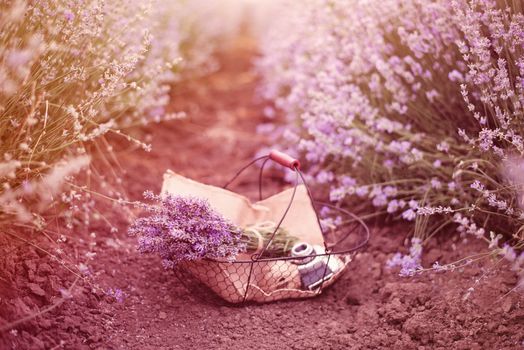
(284,159)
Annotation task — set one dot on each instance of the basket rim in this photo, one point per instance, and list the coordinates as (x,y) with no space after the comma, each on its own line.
(282,258)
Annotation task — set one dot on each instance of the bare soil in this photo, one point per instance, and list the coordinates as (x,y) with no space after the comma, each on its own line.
(370,307)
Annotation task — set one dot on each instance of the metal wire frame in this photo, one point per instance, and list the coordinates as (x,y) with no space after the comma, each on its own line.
(314,203)
(259,257)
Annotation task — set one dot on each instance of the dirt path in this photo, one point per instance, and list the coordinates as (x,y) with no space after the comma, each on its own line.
(369,308)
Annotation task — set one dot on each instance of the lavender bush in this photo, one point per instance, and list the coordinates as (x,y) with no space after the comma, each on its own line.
(73,71)
(416,106)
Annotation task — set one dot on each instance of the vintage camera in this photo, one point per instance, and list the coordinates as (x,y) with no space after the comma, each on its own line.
(314,267)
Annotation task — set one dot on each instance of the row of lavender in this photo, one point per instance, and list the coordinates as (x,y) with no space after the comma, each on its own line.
(72,71)
(416,106)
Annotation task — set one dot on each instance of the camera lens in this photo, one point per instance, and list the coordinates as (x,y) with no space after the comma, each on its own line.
(302,249)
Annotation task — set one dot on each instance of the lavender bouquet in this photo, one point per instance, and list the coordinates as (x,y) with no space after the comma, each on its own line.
(183,229)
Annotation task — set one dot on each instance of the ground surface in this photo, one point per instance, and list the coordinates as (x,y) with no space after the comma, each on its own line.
(369,308)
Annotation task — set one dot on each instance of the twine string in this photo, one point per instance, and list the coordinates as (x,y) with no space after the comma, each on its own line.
(256,230)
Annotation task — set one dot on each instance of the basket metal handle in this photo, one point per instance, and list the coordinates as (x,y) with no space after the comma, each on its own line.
(284,159)
(293,164)
(289,162)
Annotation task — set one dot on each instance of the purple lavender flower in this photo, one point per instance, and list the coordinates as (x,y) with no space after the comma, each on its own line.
(410,263)
(116,293)
(69,15)
(409,215)
(508,252)
(185,229)
(65,293)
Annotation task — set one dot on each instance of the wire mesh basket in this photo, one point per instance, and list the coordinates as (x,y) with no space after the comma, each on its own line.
(306,272)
